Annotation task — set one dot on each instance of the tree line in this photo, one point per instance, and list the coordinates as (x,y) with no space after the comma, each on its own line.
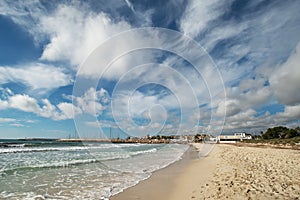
(281,132)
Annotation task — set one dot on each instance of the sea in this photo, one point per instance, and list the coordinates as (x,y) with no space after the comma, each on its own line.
(48,169)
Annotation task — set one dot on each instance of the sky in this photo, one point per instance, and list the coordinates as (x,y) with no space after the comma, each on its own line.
(132,68)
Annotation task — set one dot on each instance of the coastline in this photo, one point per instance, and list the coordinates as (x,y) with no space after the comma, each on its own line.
(161,181)
(227,172)
(164,183)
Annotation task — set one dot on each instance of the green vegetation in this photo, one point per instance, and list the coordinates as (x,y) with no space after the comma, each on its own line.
(278,135)
(280,132)
(289,141)
(200,138)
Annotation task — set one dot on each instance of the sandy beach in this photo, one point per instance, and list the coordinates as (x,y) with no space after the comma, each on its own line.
(227,172)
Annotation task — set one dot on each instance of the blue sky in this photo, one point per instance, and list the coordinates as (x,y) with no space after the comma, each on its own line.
(148,67)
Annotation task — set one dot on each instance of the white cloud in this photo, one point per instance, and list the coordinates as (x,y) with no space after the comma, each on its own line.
(30,121)
(119,55)
(244,116)
(5,120)
(39,77)
(74,33)
(128,107)
(249,94)
(256,97)
(25,14)
(290,113)
(24,103)
(15,122)
(285,79)
(17,125)
(228,108)
(227,30)
(92,102)
(48,110)
(140,103)
(130,5)
(199,13)
(3,104)
(68,110)
(247,40)
(29,104)
(73,30)
(246,119)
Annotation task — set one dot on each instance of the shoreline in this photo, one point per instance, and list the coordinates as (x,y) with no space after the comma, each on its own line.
(165,181)
(227,172)
(161,181)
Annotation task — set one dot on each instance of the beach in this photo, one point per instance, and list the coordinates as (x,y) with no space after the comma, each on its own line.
(227,172)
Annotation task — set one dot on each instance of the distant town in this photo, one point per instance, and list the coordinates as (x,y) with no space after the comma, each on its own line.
(274,135)
(156,139)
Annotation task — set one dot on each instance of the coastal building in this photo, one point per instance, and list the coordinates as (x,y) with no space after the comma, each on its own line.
(182,138)
(236,137)
(213,139)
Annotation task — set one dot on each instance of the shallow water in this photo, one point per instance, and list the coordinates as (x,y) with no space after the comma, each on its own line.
(49,169)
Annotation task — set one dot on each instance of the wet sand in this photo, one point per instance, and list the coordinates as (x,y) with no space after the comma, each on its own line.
(227,172)
(163,183)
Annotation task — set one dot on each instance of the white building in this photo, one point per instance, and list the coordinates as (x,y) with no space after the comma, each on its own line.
(236,137)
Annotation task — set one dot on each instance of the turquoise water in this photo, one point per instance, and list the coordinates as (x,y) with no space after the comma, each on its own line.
(49,169)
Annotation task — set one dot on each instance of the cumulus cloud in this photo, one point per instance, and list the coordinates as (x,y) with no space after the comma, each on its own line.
(285,79)
(290,113)
(24,103)
(37,76)
(74,33)
(247,120)
(73,30)
(68,110)
(228,108)
(127,105)
(92,102)
(249,94)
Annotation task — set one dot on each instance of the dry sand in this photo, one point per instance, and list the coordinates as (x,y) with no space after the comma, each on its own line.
(253,173)
(228,172)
